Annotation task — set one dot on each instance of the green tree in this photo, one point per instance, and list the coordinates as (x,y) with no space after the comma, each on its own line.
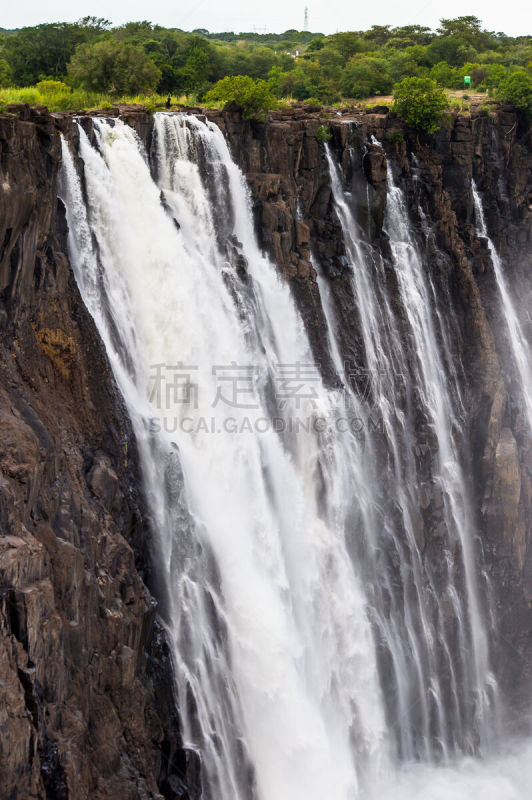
(315,44)
(112,66)
(452,49)
(193,74)
(517,90)
(469,30)
(378,34)
(166,48)
(296,83)
(198,65)
(363,77)
(275,80)
(420,103)
(330,62)
(6,74)
(135,32)
(445,75)
(460,40)
(347,44)
(44,51)
(253,97)
(402,64)
(411,35)
(95,24)
(496,74)
(262,59)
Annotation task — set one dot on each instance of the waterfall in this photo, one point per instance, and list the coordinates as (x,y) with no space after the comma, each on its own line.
(444,690)
(274,655)
(517,340)
(417,297)
(326,642)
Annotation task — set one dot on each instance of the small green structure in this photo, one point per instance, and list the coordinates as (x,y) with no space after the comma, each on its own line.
(467,80)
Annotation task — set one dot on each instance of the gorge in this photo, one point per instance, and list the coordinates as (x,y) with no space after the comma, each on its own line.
(265,467)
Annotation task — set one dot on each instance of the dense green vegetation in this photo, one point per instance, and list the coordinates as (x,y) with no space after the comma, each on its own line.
(92,57)
(254,97)
(420,103)
(112,66)
(517,89)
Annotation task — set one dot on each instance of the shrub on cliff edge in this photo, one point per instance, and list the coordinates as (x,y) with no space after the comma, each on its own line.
(420,102)
(253,97)
(517,90)
(322,135)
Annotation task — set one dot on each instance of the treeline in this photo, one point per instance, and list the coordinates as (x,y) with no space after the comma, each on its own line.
(142,57)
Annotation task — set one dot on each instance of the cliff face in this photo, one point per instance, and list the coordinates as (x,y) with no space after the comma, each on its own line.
(83,710)
(86,705)
(290,183)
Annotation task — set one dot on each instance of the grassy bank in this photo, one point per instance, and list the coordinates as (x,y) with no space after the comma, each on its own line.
(67,99)
(78,99)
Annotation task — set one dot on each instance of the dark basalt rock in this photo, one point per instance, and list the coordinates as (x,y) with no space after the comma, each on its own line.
(435,172)
(86,699)
(78,712)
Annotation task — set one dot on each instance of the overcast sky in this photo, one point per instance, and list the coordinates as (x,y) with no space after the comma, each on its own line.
(511,16)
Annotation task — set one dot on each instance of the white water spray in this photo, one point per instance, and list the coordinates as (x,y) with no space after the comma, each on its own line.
(267,618)
(289,564)
(453,712)
(518,343)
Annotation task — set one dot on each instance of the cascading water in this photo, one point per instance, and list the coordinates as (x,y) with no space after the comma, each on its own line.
(518,343)
(289,566)
(273,648)
(477,682)
(445,678)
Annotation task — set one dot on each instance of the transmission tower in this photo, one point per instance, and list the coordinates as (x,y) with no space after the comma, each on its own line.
(305,24)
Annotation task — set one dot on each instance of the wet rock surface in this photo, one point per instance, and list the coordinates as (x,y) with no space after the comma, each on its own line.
(86,699)
(86,702)
(435,174)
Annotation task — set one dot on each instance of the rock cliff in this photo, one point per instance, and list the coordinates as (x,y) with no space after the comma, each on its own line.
(86,702)
(85,691)
(290,182)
